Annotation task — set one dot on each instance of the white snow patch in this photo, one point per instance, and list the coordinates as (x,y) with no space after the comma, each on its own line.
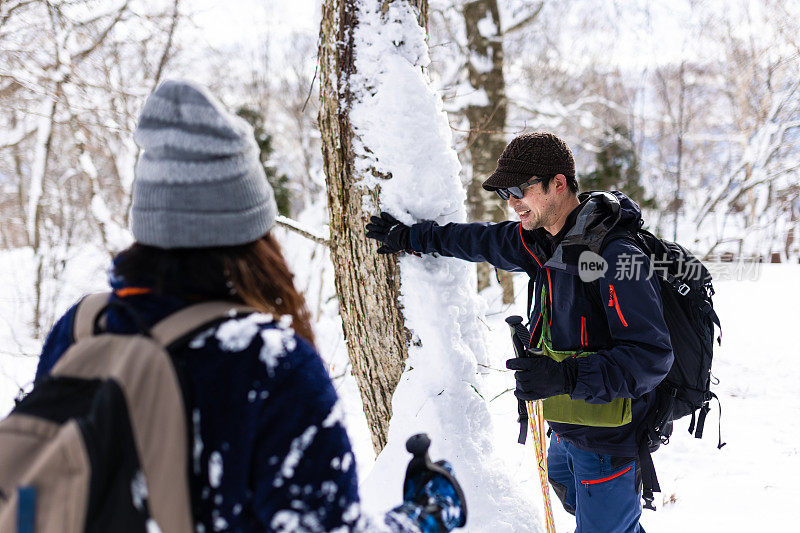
(352,513)
(139,490)
(487,27)
(285,521)
(481,63)
(347,461)
(215,469)
(197,447)
(237,334)
(285,321)
(329,489)
(219,523)
(200,340)
(296,450)
(335,416)
(276,343)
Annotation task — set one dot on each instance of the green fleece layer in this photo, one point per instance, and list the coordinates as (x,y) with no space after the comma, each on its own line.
(564,409)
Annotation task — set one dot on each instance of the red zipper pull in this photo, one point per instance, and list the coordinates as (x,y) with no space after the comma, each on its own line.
(613,302)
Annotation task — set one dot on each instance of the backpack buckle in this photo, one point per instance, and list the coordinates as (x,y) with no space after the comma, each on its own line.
(683,289)
(648,498)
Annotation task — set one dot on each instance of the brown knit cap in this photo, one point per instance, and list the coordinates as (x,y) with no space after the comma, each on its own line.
(538,154)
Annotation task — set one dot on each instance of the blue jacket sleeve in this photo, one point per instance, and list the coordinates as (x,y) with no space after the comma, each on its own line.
(57,342)
(499,244)
(641,353)
(304,467)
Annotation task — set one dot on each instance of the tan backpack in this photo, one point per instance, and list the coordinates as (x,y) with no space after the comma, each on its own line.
(102,443)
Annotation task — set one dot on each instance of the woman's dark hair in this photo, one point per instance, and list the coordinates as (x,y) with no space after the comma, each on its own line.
(254,274)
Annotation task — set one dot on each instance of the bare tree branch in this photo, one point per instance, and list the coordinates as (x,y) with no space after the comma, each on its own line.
(518,25)
(80,56)
(167,47)
(301,229)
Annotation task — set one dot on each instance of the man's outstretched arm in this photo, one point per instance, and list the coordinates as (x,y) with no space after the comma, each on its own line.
(499,244)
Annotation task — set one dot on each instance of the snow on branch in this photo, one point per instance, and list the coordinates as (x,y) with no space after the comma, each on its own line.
(103,34)
(531,17)
(302,229)
(16,136)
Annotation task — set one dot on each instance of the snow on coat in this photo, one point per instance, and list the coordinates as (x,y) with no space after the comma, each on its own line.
(269,451)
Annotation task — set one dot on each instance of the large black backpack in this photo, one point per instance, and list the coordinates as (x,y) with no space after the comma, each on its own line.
(686,292)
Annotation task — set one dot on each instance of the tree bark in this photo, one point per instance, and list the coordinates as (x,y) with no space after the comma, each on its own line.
(486,139)
(367,284)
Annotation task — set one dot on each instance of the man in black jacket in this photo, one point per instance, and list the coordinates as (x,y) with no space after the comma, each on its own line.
(598,337)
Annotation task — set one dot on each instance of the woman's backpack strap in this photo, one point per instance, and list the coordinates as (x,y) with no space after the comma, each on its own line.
(88,309)
(181,324)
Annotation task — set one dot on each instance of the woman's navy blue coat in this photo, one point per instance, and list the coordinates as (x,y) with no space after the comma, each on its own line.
(269,448)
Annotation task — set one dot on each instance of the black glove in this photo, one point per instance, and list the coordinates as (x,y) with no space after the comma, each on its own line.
(393,234)
(540,377)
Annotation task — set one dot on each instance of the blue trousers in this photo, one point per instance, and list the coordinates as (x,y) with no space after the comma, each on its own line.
(600,490)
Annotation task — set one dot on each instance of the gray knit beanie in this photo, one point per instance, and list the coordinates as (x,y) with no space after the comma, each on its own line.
(538,154)
(199,181)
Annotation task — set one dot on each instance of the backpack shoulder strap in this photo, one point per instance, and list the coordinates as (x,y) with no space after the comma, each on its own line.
(178,325)
(88,309)
(623,233)
(528,307)
(169,330)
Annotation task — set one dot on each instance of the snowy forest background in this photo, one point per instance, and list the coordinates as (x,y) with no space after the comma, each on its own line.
(691,107)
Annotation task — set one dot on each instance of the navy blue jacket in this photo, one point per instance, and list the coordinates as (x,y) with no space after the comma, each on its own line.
(265,414)
(620,319)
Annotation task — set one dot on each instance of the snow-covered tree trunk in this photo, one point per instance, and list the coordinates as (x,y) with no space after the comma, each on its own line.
(365,281)
(44,139)
(487,119)
(388,146)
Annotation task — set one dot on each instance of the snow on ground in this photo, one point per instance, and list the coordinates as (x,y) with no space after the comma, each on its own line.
(749,485)
(84,272)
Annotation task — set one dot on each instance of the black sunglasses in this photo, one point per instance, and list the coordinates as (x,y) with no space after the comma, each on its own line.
(517,192)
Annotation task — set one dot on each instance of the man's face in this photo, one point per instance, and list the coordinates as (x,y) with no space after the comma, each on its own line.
(536,208)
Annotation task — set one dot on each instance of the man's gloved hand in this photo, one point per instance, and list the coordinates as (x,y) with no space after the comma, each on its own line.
(393,234)
(540,377)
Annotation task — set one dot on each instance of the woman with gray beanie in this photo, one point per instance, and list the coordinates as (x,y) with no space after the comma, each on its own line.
(268,450)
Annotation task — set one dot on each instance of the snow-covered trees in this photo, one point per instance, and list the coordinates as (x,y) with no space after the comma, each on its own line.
(485,109)
(700,97)
(72,77)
